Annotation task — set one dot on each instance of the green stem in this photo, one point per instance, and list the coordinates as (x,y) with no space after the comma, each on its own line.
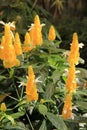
(22,91)
(34,4)
(29,121)
(13,98)
(17,92)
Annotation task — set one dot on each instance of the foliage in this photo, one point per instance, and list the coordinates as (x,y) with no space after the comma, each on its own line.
(49,64)
(47,61)
(21,12)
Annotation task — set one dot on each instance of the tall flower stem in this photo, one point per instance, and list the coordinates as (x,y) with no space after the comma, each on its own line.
(22,91)
(29,121)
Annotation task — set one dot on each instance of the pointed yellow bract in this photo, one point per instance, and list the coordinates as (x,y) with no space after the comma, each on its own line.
(31,90)
(51,34)
(2,48)
(17,45)
(71,79)
(8,35)
(3,107)
(37,20)
(27,46)
(35,32)
(67,109)
(74,52)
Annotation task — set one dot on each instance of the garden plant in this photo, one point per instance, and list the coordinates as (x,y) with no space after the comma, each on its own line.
(41,87)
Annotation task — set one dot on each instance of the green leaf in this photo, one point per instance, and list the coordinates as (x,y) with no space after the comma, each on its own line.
(58,36)
(82,105)
(56,76)
(11,72)
(49,91)
(82,93)
(82,74)
(52,60)
(43,126)
(57,121)
(1,117)
(42,109)
(2,77)
(17,115)
(78,119)
(40,89)
(17,126)
(11,119)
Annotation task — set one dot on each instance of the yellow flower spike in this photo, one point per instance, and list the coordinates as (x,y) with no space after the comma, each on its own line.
(9,55)
(35,32)
(3,107)
(71,79)
(74,50)
(51,34)
(27,46)
(67,108)
(9,52)
(31,90)
(17,45)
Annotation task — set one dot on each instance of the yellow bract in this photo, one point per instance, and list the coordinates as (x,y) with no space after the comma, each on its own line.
(67,109)
(74,52)
(51,34)
(31,90)
(17,45)
(2,48)
(35,32)
(37,20)
(27,44)
(71,80)
(3,107)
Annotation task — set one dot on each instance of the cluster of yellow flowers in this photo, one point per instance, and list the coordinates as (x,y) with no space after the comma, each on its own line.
(71,79)
(11,47)
(7,49)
